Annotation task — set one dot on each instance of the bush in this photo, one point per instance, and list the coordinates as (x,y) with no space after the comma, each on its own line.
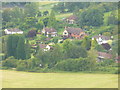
(21,68)
(80,64)
(10,62)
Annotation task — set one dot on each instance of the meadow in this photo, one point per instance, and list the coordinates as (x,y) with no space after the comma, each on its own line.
(17,79)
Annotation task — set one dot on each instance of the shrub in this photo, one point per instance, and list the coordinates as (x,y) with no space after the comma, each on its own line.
(21,65)
(10,62)
(80,64)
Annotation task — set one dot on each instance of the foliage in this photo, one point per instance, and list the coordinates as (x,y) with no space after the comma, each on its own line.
(10,62)
(20,49)
(31,9)
(91,17)
(86,43)
(74,65)
(52,22)
(32,33)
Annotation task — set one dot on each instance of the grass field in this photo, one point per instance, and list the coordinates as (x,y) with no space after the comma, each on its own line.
(15,79)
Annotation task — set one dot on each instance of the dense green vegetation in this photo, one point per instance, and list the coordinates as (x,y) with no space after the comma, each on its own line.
(69,55)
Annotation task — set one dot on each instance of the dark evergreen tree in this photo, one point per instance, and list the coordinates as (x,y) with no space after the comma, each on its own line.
(20,50)
(27,50)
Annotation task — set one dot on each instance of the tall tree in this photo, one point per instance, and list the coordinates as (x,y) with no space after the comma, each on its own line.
(27,50)
(52,20)
(9,46)
(21,48)
(94,44)
(86,43)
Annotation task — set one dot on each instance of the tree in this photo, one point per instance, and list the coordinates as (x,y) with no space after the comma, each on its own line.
(94,44)
(45,13)
(39,14)
(112,20)
(32,33)
(45,21)
(91,17)
(27,50)
(55,55)
(31,9)
(52,20)
(9,46)
(76,52)
(86,43)
(20,50)
(40,24)
(6,15)
(92,57)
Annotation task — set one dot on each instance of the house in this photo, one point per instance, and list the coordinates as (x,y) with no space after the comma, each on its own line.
(71,32)
(49,32)
(104,55)
(101,39)
(45,47)
(71,19)
(13,31)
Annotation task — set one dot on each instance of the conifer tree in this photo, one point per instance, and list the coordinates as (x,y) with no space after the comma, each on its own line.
(52,20)
(20,50)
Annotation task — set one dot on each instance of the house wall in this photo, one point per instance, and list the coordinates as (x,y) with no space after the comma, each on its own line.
(65,33)
(9,32)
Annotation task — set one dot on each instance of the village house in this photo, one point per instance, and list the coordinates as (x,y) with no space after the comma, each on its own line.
(13,31)
(71,32)
(45,47)
(104,55)
(49,32)
(101,39)
(71,19)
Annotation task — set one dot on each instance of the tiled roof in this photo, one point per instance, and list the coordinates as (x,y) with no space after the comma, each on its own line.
(42,45)
(49,29)
(105,55)
(72,17)
(102,37)
(14,30)
(74,30)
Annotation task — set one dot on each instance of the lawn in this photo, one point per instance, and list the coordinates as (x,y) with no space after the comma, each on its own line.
(16,79)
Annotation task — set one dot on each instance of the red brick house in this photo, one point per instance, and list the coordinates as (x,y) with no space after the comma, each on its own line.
(71,32)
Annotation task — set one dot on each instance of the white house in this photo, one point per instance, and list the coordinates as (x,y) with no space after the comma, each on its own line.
(45,47)
(49,32)
(101,39)
(13,31)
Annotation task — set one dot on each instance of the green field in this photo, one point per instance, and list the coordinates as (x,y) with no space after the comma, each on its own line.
(15,79)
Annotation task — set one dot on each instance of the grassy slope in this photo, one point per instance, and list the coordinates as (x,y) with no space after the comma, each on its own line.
(15,79)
